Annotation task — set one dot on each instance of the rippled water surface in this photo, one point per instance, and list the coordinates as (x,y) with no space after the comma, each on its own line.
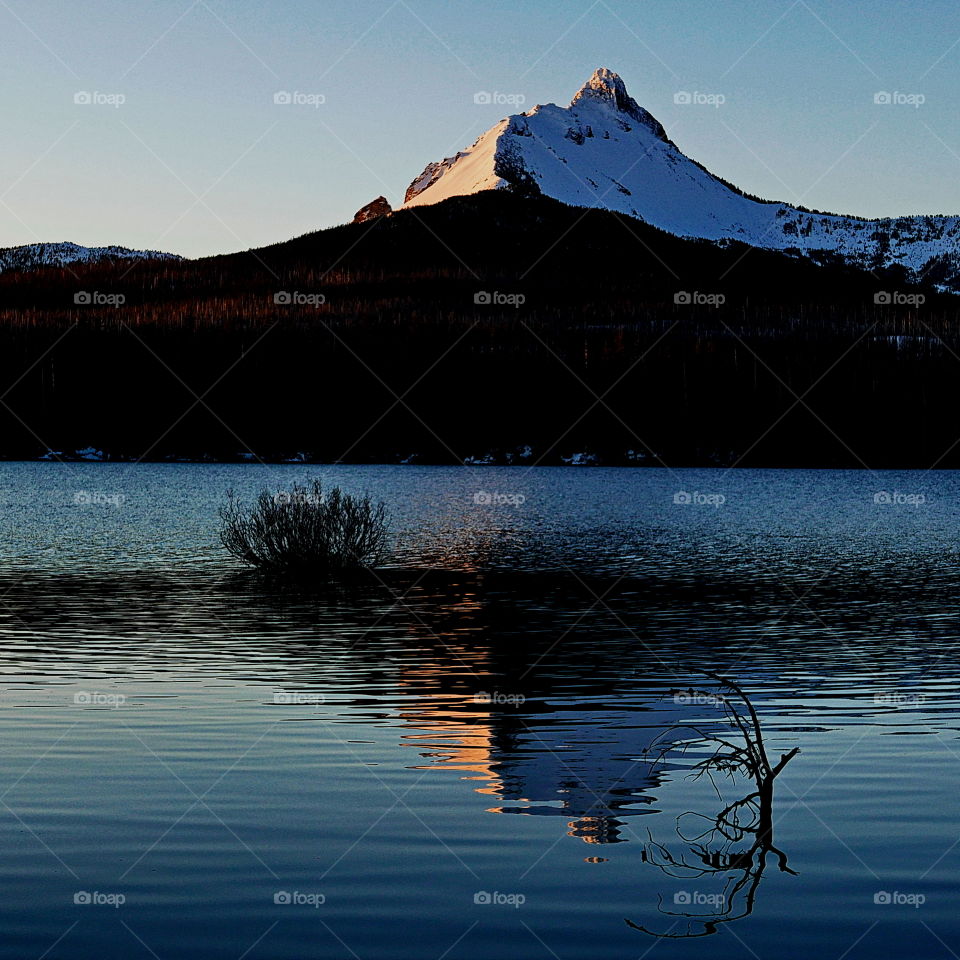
(485,751)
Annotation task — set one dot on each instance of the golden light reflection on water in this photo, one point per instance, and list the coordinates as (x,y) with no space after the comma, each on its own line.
(474,706)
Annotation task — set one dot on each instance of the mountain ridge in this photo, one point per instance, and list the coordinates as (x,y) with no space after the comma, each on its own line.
(33,256)
(605,151)
(496,336)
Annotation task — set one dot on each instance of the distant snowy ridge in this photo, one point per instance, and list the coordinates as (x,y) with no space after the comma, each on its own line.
(31,256)
(606,151)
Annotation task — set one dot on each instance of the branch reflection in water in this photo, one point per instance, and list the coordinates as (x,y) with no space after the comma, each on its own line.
(732,845)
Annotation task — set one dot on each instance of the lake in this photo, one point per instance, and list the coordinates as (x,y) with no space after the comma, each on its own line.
(486,751)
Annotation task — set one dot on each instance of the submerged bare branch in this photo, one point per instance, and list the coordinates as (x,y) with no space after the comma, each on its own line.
(711,847)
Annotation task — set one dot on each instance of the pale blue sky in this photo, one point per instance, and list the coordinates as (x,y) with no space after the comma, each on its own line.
(199,159)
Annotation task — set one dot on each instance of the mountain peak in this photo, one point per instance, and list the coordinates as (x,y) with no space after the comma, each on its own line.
(606,88)
(606,152)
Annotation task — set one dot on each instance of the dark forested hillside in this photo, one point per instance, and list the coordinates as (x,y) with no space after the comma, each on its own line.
(483,324)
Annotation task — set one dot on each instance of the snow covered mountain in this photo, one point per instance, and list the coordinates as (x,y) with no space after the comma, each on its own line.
(32,256)
(606,151)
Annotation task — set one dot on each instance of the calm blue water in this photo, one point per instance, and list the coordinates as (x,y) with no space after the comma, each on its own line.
(481,754)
